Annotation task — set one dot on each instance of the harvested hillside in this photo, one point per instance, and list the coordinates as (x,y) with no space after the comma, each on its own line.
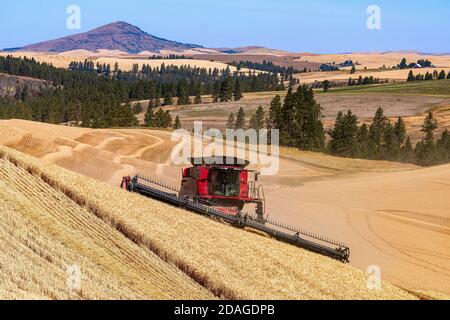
(43,233)
(227,261)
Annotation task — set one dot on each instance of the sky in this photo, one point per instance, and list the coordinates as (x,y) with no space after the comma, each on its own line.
(320,26)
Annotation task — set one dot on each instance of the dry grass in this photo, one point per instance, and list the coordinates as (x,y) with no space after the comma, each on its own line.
(343,76)
(229,262)
(377,60)
(42,232)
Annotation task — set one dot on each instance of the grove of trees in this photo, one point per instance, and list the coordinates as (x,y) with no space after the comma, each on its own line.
(99,96)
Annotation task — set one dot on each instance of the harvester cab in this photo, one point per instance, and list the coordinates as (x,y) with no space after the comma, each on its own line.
(223,183)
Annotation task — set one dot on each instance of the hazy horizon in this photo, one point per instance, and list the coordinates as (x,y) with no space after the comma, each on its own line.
(291,25)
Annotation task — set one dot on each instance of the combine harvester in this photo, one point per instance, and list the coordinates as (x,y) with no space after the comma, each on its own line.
(220,190)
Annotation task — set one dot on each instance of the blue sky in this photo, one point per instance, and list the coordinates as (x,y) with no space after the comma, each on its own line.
(321,26)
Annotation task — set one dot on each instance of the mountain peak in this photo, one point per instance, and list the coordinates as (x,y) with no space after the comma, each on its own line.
(118,35)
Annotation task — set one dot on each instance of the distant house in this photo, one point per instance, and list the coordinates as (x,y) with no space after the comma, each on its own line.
(417,66)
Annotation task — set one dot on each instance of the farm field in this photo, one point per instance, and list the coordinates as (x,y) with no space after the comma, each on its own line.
(424,88)
(344,75)
(124,61)
(43,232)
(356,201)
(376,60)
(181,239)
(363,102)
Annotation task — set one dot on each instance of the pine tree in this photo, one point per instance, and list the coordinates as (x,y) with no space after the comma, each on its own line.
(157,99)
(226,90)
(326,85)
(198,97)
(353,70)
(257,120)
(411,76)
(149,118)
(288,119)
(363,141)
(240,119)
(441,75)
(391,146)
(400,131)
(344,136)
(168,99)
(216,92)
(231,122)
(137,108)
(177,124)
(426,152)
(403,64)
(167,119)
(237,94)
(308,133)
(275,116)
(407,151)
(429,126)
(443,145)
(183,93)
(376,133)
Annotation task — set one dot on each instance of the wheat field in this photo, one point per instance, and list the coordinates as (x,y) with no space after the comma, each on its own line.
(42,233)
(228,262)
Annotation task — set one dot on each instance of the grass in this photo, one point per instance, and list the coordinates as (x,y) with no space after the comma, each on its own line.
(435,88)
(229,262)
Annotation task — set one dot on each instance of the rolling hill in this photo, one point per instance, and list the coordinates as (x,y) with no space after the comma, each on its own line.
(150,250)
(356,201)
(120,36)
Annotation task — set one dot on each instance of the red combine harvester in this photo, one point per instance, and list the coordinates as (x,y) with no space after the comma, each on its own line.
(224,184)
(220,187)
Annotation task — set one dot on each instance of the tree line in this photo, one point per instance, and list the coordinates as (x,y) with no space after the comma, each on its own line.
(299,120)
(268,66)
(424,63)
(428,76)
(96,95)
(171,57)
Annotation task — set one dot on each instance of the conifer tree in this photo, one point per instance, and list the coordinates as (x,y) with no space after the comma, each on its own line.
(363,141)
(326,85)
(442,75)
(344,136)
(426,152)
(216,92)
(400,131)
(407,151)
(257,120)
(177,124)
(237,94)
(198,97)
(137,108)
(226,90)
(231,122)
(240,119)
(443,145)
(167,99)
(275,117)
(376,133)
(149,118)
